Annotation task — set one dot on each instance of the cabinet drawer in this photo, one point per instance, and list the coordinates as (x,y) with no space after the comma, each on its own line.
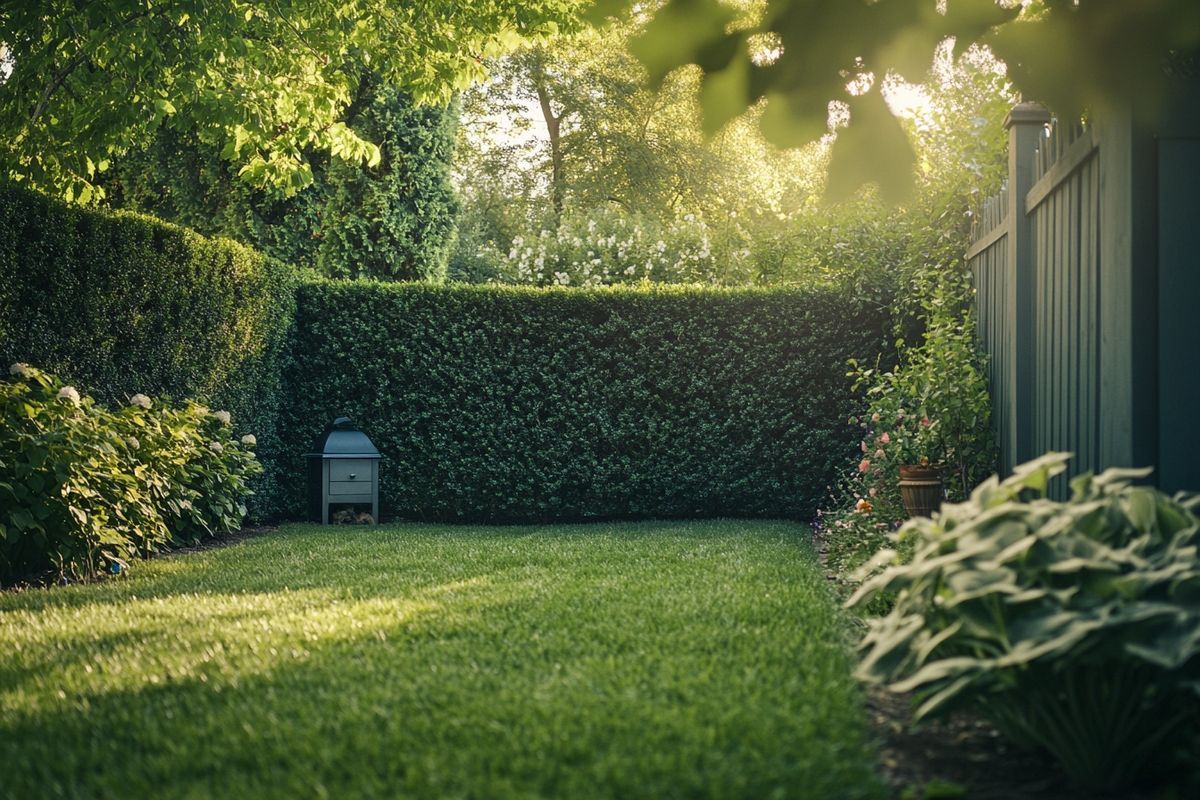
(359,489)
(350,469)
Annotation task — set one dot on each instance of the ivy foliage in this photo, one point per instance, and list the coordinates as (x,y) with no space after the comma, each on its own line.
(121,304)
(261,82)
(503,403)
(394,220)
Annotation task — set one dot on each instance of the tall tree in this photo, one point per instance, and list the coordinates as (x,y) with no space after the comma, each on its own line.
(263,82)
(393,220)
(606,137)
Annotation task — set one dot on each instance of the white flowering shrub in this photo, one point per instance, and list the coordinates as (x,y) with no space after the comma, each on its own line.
(607,247)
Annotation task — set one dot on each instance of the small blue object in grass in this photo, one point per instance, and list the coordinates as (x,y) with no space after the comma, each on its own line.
(116,567)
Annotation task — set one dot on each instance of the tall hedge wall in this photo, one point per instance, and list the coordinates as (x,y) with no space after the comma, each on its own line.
(506,404)
(123,303)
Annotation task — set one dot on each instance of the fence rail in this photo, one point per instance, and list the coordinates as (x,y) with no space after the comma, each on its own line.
(1086,289)
(1035,261)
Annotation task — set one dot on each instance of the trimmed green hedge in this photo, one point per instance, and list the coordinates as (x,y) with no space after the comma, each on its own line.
(506,404)
(122,303)
(488,403)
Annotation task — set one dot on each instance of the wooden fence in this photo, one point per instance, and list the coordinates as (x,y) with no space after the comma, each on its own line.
(1087,291)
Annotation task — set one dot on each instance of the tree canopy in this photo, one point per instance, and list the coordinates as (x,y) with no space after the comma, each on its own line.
(263,81)
(392,221)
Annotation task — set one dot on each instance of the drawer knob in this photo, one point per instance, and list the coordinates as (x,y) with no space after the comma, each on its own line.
(351,476)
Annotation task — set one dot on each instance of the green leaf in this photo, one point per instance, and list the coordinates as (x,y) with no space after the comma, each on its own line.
(873,149)
(685,32)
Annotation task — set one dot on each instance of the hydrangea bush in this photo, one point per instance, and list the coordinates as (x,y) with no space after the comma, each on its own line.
(84,488)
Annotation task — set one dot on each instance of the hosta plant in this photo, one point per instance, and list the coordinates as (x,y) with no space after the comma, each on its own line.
(1074,626)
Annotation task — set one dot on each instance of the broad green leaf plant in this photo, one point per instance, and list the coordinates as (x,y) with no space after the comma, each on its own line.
(1075,626)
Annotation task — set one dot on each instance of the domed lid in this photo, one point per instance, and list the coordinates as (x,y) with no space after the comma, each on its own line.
(342,440)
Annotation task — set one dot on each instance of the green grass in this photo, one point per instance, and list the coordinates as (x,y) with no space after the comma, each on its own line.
(658,660)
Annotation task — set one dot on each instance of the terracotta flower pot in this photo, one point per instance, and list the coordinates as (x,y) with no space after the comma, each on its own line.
(921,489)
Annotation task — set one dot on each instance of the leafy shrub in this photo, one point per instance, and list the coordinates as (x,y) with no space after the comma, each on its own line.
(84,487)
(120,303)
(1075,626)
(933,408)
(67,498)
(392,221)
(192,465)
(510,403)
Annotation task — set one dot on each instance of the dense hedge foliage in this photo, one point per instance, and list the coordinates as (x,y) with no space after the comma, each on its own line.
(120,304)
(489,403)
(498,404)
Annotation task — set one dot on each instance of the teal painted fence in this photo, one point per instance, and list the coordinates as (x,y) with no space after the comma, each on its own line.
(1087,287)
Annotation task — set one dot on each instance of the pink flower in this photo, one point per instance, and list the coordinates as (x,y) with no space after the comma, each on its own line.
(864,447)
(864,465)
(879,454)
(885,438)
(873,491)
(925,423)
(875,417)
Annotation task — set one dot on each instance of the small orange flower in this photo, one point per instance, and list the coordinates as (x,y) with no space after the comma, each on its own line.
(863,506)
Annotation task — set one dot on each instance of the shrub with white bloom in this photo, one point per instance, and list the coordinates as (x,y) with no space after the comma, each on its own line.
(133,442)
(222,417)
(140,400)
(216,447)
(20,369)
(69,393)
(607,246)
(249,440)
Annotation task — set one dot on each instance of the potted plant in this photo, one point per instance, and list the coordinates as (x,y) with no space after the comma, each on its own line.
(917,453)
(928,418)
(900,444)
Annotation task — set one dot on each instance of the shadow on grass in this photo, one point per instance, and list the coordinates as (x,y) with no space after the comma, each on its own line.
(441,663)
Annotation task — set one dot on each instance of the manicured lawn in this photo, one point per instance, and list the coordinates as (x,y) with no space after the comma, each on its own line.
(674,659)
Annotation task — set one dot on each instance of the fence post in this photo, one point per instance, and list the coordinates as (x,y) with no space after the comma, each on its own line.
(1026,125)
